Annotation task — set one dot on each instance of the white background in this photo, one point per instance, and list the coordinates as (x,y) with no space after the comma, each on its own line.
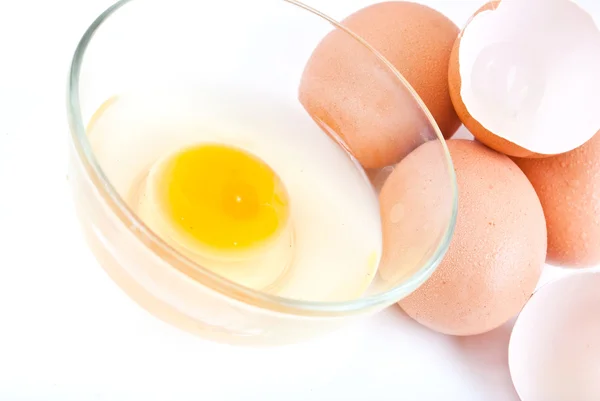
(68,333)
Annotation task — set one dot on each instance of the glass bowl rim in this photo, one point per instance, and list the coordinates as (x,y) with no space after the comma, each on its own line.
(205,277)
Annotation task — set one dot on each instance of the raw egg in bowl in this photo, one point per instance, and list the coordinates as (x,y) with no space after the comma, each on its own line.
(216,181)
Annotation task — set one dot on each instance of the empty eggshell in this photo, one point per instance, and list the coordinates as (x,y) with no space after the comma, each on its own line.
(524,76)
(345,87)
(554,351)
(497,252)
(568,186)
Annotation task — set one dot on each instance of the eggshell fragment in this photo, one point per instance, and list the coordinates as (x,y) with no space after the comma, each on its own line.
(554,351)
(346,88)
(497,252)
(524,75)
(568,186)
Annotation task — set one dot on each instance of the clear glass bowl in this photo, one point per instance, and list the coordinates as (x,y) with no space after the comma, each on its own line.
(259,49)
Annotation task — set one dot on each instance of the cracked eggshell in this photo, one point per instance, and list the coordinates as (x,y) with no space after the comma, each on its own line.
(524,76)
(554,349)
(497,253)
(346,88)
(568,186)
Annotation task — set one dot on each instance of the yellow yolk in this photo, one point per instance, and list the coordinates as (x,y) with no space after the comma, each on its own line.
(222,198)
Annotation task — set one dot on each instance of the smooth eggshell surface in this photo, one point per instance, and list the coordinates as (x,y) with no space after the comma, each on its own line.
(568,186)
(497,252)
(554,352)
(347,88)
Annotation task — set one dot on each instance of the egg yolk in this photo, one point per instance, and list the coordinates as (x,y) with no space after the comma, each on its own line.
(223,198)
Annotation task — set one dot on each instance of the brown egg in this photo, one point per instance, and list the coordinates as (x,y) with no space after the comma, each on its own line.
(568,186)
(346,88)
(497,252)
(416,208)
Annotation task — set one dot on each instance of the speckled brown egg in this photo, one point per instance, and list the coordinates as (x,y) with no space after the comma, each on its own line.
(416,208)
(348,89)
(497,252)
(568,186)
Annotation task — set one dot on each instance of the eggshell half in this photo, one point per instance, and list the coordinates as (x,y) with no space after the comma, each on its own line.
(554,351)
(568,186)
(482,134)
(497,252)
(346,88)
(524,73)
